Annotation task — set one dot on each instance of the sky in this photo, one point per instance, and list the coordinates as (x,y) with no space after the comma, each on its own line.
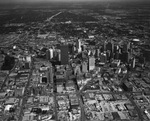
(14,1)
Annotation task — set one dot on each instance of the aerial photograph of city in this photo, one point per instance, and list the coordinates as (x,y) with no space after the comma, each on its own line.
(74,60)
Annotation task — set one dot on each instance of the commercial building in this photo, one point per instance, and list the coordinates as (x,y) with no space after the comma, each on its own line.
(103,57)
(48,55)
(64,54)
(125,57)
(91,63)
(147,54)
(115,63)
(97,53)
(110,46)
(84,67)
(127,86)
(78,45)
(126,47)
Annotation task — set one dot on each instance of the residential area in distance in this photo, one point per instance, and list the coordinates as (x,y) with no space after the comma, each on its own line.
(75,61)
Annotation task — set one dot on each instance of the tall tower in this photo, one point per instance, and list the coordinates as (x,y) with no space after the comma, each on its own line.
(97,53)
(110,46)
(125,57)
(91,63)
(48,55)
(103,57)
(78,45)
(84,67)
(125,47)
(51,53)
(51,75)
(64,54)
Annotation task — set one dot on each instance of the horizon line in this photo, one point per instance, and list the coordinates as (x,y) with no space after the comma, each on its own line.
(68,1)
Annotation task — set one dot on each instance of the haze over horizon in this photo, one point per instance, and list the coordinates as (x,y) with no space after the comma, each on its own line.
(26,1)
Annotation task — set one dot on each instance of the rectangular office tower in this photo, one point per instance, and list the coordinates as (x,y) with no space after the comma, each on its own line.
(91,63)
(64,54)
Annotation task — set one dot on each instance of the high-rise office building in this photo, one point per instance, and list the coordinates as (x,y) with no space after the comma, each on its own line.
(27,65)
(71,48)
(97,53)
(125,57)
(103,57)
(64,54)
(103,47)
(84,67)
(127,86)
(55,54)
(126,47)
(146,54)
(89,52)
(108,54)
(117,55)
(48,55)
(133,63)
(51,75)
(51,53)
(116,48)
(59,55)
(91,63)
(78,45)
(110,46)
(83,47)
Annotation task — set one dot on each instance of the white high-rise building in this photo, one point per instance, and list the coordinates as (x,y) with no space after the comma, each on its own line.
(78,44)
(51,53)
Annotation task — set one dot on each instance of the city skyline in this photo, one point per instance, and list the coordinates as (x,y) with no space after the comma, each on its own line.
(74,60)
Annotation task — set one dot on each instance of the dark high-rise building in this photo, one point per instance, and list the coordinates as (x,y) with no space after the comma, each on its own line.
(97,53)
(126,47)
(116,48)
(64,54)
(117,55)
(71,48)
(48,55)
(127,86)
(125,57)
(83,47)
(108,54)
(103,47)
(51,75)
(27,65)
(146,54)
(103,57)
(58,46)
(110,46)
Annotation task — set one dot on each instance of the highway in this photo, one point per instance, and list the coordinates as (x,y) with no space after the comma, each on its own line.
(25,96)
(55,100)
(49,19)
(80,100)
